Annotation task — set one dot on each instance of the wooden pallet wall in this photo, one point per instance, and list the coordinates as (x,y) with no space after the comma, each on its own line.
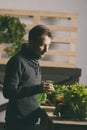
(62,52)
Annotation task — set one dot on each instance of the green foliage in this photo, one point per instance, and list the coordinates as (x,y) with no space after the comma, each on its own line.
(74,101)
(70,101)
(41,98)
(11,32)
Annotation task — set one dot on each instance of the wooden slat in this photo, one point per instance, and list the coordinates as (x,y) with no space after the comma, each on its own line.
(73,46)
(57,28)
(62,53)
(36,20)
(63,28)
(14,12)
(66,40)
(58,14)
(46,63)
(56,64)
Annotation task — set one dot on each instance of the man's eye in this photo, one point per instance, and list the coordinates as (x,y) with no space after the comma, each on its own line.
(40,44)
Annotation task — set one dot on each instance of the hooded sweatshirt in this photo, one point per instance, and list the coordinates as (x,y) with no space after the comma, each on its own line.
(21,84)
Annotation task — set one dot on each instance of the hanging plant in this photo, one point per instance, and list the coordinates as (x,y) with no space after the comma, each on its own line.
(12,32)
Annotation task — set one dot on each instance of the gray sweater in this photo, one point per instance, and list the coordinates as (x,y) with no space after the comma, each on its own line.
(21,84)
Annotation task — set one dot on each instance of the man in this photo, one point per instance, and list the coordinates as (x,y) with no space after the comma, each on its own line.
(23,81)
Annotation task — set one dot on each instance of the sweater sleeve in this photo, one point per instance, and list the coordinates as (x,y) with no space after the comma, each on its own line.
(12,78)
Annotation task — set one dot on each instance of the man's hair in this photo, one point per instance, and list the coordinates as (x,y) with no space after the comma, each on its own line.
(37,32)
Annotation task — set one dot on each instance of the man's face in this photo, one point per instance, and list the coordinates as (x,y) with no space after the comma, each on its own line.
(42,48)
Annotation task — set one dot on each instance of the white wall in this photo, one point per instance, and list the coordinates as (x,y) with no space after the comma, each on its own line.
(77,6)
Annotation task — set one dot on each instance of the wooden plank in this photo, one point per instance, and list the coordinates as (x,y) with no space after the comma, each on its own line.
(45,63)
(73,46)
(36,20)
(14,12)
(57,28)
(62,15)
(56,64)
(66,40)
(63,28)
(62,53)
(19,12)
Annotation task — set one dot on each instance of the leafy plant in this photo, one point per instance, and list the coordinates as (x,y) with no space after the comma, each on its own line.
(70,101)
(73,103)
(11,32)
(41,98)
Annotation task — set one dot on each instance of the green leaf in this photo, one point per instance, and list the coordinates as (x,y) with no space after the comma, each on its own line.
(41,98)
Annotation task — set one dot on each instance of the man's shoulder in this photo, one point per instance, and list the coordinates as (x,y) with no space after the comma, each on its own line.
(14,59)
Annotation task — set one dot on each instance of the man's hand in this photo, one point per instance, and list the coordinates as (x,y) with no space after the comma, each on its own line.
(47,87)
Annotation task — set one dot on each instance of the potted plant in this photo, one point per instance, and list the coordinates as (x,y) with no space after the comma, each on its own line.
(71,101)
(12,32)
